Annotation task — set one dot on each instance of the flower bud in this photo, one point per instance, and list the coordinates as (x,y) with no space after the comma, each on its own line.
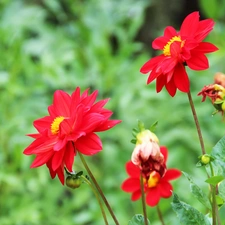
(147,145)
(205,159)
(73,182)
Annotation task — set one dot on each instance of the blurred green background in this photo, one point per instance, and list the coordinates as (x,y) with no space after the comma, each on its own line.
(101,44)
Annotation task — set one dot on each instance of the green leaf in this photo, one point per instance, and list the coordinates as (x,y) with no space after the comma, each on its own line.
(214,180)
(221,189)
(219,149)
(153,126)
(138,219)
(197,192)
(187,214)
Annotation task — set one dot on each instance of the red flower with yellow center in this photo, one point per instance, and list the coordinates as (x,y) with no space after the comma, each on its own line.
(70,127)
(180,49)
(156,183)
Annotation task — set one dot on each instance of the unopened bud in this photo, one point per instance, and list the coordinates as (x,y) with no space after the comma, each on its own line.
(205,159)
(73,182)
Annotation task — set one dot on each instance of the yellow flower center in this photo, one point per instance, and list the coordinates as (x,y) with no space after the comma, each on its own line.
(55,124)
(154,179)
(166,48)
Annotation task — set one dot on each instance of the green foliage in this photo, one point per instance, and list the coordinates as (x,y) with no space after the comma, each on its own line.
(187,214)
(197,192)
(138,220)
(49,45)
(214,180)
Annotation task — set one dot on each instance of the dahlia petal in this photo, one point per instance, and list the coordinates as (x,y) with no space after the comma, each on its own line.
(206,47)
(136,195)
(57,159)
(132,170)
(181,79)
(165,189)
(65,127)
(60,174)
(75,97)
(171,87)
(61,103)
(172,174)
(34,135)
(204,27)
(168,64)
(40,145)
(169,32)
(60,144)
(153,196)
(91,121)
(150,64)
(43,123)
(160,82)
(84,95)
(152,76)
(131,185)
(107,125)
(97,107)
(164,151)
(89,100)
(198,61)
(190,25)
(69,156)
(159,42)
(41,159)
(51,171)
(89,144)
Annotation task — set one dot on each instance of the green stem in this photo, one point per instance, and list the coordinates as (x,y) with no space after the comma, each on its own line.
(160,215)
(213,192)
(97,197)
(196,123)
(143,201)
(98,188)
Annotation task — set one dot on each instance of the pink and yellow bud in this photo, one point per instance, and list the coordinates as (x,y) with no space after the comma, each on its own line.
(147,146)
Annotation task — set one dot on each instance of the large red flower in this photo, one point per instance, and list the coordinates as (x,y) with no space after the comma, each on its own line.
(181,48)
(156,185)
(70,127)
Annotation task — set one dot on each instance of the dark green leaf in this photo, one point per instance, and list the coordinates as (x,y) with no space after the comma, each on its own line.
(187,214)
(138,219)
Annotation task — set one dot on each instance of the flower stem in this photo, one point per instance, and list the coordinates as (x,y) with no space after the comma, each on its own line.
(160,215)
(98,188)
(143,201)
(97,197)
(213,192)
(196,122)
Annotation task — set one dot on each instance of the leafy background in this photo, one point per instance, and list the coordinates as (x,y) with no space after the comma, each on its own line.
(101,44)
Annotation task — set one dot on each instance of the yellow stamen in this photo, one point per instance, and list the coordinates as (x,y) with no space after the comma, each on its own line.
(55,124)
(166,48)
(154,179)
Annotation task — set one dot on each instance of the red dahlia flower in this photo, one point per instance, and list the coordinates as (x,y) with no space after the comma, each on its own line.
(156,184)
(70,127)
(181,48)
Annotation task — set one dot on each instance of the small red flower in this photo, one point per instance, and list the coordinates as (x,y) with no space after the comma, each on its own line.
(181,48)
(70,127)
(156,185)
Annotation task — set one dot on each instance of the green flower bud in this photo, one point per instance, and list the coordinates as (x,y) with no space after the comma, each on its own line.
(73,182)
(205,159)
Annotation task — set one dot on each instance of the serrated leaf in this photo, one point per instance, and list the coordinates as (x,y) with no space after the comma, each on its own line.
(138,219)
(214,180)
(197,192)
(187,214)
